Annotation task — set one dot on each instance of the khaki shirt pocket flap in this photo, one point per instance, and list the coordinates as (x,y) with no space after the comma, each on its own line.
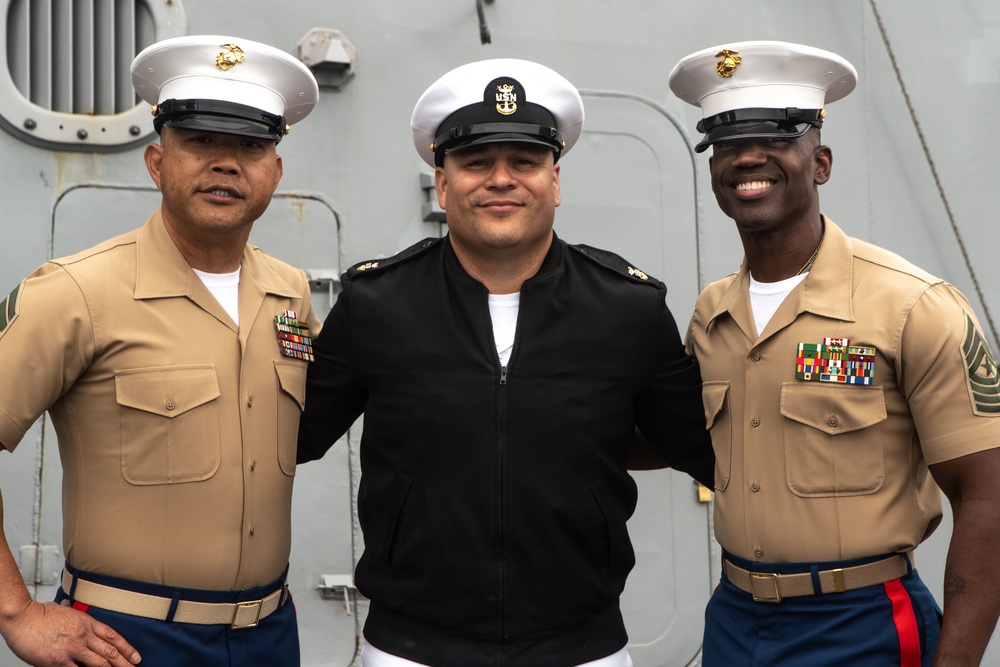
(168,392)
(713,396)
(833,409)
(292,378)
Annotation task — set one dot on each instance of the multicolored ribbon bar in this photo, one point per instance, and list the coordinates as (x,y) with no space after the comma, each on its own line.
(293,336)
(835,360)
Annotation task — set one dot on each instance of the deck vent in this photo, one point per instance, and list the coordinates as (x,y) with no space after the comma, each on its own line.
(65,83)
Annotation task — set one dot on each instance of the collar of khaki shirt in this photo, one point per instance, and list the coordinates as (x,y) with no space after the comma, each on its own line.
(830,276)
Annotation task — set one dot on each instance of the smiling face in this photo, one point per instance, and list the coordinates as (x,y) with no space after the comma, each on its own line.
(214,186)
(770,185)
(499,197)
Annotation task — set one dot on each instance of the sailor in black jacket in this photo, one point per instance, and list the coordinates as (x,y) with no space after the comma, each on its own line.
(494,492)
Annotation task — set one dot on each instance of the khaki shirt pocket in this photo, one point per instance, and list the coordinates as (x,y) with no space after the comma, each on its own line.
(833,445)
(718,419)
(291,402)
(169,424)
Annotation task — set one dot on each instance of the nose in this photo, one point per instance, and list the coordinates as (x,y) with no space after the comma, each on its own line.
(225,160)
(501,176)
(749,153)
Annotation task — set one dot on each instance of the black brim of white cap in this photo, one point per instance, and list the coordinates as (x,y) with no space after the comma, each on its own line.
(767,130)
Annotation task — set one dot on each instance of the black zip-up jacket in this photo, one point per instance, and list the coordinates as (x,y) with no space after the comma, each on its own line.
(493,500)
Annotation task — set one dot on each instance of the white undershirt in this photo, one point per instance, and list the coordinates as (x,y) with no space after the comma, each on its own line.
(503,311)
(373,657)
(225,287)
(766,297)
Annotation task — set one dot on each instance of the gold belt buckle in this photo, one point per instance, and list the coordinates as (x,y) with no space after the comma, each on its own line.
(254,606)
(760,577)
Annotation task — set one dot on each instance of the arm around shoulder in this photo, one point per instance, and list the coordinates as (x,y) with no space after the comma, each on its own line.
(670,414)
(335,396)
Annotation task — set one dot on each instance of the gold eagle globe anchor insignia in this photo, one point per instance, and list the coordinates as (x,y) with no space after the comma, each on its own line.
(230,58)
(730,61)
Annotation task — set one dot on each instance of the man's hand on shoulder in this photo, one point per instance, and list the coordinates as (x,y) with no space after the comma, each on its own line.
(45,634)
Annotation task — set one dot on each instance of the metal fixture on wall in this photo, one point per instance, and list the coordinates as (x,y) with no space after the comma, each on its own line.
(330,56)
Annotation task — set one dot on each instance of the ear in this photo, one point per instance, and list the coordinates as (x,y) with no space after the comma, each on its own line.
(153,156)
(279,170)
(441,186)
(555,183)
(824,164)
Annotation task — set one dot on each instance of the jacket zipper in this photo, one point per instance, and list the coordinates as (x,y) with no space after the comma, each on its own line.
(501,444)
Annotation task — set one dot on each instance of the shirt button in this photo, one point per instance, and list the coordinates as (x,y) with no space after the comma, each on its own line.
(755,422)
(758,552)
(170,405)
(249,401)
(251,530)
(833,421)
(253,466)
(755,487)
(755,356)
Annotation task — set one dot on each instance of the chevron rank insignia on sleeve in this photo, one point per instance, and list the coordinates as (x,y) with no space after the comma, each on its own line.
(9,309)
(984,383)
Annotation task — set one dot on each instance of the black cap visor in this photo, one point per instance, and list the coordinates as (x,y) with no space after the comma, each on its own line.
(221,117)
(533,136)
(748,124)
(481,124)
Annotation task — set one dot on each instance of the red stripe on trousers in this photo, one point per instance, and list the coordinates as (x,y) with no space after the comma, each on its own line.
(906,624)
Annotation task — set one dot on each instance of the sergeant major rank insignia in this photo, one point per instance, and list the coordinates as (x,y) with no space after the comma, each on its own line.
(293,336)
(836,360)
(984,383)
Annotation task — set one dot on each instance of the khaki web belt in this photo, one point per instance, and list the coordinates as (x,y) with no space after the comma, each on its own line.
(238,615)
(774,587)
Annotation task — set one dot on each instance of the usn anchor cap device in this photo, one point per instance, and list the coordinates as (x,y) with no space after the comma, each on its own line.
(492,101)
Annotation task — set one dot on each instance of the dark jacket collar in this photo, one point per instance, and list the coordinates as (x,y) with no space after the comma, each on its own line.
(551,262)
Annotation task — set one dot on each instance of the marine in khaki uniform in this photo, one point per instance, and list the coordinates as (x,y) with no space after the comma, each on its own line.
(172,361)
(844,389)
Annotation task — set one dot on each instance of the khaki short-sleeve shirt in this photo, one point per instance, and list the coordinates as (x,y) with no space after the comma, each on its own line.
(813,468)
(177,429)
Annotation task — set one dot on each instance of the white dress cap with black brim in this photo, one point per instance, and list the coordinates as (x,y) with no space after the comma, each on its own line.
(494,101)
(761,89)
(230,85)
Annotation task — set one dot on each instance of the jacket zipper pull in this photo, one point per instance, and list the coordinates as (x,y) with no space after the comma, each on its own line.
(503,375)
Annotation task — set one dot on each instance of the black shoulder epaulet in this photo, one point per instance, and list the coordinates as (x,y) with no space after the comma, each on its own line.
(377,265)
(610,260)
